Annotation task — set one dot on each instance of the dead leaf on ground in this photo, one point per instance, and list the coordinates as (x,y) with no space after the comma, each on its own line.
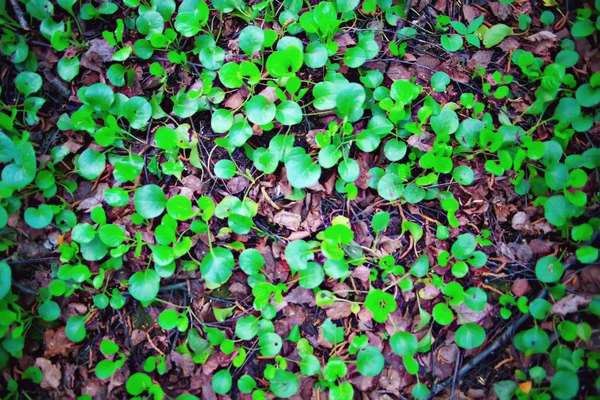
(521,287)
(52,373)
(569,304)
(288,220)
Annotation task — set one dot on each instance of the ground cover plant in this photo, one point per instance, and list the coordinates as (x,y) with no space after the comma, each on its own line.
(299,199)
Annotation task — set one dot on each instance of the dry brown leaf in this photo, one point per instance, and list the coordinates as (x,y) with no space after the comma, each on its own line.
(338,310)
(521,287)
(288,220)
(569,304)
(56,343)
(98,53)
(420,142)
(52,373)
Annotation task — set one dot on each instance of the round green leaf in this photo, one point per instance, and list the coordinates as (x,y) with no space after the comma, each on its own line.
(28,82)
(149,201)
(91,164)
(464,246)
(284,384)
(470,336)
(5,279)
(144,285)
(75,328)
(251,39)
(225,169)
(370,361)
(270,344)
(39,218)
(289,113)
(260,110)
(404,344)
(217,264)
(463,175)
(549,269)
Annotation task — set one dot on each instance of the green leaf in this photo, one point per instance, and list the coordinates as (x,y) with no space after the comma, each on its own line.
(108,347)
(470,336)
(452,42)
(75,328)
(565,385)
(420,391)
(270,344)
(260,110)
(355,57)
(251,39)
(216,266)
(99,95)
(549,269)
(464,246)
(137,111)
(39,218)
(5,279)
(251,261)
(138,383)
(246,328)
(225,169)
(180,207)
(370,361)
(380,221)
(439,81)
(312,276)
(496,34)
(221,120)
(442,314)
(68,68)
(91,164)
(381,304)
(144,285)
(445,123)
(404,344)
(315,55)
(349,101)
(557,210)
(284,384)
(331,332)
(221,381)
(246,384)
(301,171)
(532,341)
(464,175)
(149,201)
(288,113)
(420,267)
(28,82)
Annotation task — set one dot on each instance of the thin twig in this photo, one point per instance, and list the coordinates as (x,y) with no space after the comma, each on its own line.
(30,261)
(500,341)
(20,15)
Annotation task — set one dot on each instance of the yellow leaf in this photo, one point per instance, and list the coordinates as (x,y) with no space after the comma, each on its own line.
(551,3)
(525,386)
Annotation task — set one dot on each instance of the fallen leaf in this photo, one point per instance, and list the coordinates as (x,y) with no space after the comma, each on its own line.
(569,304)
(520,221)
(52,374)
(338,310)
(288,220)
(521,287)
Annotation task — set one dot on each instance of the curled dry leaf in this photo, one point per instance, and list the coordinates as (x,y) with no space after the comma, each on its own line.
(52,373)
(569,304)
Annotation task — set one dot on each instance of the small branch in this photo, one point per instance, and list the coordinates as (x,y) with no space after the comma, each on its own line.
(504,338)
(24,289)
(29,261)
(20,15)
